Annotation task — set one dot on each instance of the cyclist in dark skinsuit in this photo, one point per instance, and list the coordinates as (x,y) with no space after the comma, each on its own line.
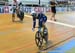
(17,9)
(20,13)
(13,13)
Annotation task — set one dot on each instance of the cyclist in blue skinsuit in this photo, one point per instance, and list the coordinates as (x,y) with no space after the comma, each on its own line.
(41,20)
(41,23)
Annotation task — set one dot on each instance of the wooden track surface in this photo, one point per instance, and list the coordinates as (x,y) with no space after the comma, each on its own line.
(16,37)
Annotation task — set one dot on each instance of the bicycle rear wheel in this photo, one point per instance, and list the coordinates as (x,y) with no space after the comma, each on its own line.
(38,39)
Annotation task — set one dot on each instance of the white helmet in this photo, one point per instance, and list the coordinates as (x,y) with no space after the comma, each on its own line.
(32,12)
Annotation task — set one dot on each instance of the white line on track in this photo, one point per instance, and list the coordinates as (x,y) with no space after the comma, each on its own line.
(55,22)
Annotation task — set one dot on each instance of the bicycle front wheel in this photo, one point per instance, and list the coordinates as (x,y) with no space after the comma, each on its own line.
(38,39)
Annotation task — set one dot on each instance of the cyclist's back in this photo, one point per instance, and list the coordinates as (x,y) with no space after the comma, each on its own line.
(41,17)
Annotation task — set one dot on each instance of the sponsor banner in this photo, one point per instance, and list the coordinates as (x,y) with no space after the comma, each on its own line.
(4,9)
(8,9)
(27,9)
(39,9)
(61,9)
(1,9)
(72,9)
(47,9)
(30,9)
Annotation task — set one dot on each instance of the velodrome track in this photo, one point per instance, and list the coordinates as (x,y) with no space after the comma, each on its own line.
(16,37)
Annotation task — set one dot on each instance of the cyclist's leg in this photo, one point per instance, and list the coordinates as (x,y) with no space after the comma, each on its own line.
(43,24)
(13,15)
(45,30)
(40,26)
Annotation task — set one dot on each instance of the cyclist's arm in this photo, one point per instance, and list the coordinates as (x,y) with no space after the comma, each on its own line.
(34,23)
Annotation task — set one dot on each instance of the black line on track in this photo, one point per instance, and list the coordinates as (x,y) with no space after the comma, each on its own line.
(58,43)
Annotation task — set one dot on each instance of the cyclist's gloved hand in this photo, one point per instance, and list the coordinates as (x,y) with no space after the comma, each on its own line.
(33,29)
